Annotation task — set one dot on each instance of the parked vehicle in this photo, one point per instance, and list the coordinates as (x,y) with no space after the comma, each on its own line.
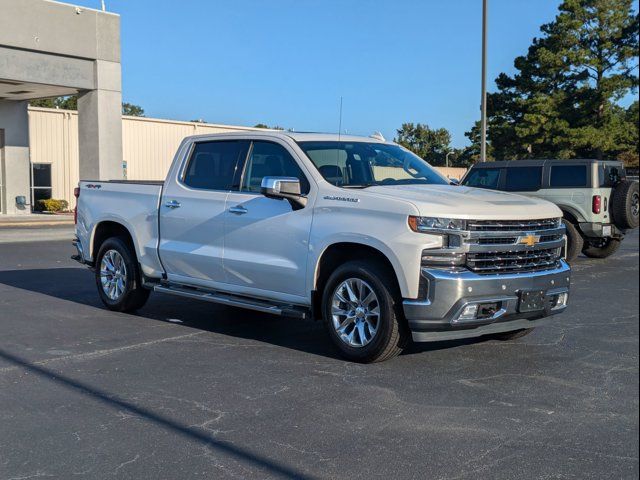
(356,231)
(599,204)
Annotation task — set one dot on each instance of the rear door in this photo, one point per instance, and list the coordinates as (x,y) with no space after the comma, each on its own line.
(569,188)
(266,240)
(192,212)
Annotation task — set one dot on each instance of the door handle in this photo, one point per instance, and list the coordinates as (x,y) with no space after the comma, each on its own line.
(238,210)
(172,204)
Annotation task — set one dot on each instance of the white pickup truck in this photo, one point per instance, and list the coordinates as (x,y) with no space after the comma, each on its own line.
(356,231)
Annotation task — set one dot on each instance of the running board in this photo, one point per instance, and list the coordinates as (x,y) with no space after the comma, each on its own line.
(234,301)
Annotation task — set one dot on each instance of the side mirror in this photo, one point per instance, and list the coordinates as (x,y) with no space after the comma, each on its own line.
(454,181)
(284,188)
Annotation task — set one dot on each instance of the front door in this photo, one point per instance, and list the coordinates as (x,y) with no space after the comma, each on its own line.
(266,240)
(192,213)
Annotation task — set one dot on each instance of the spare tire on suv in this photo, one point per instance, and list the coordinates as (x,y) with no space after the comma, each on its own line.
(624,205)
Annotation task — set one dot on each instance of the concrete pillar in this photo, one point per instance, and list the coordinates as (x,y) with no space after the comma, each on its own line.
(100,125)
(14,157)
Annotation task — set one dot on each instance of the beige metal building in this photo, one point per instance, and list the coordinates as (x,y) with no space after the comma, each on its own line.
(148,146)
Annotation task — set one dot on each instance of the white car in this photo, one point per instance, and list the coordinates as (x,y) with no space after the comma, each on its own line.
(356,231)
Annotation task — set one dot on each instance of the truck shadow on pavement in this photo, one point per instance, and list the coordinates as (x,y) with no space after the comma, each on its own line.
(77,285)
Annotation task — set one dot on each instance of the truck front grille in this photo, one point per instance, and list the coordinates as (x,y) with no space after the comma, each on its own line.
(513,262)
(513,246)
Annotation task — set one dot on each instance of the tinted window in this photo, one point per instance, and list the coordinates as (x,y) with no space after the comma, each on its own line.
(42,175)
(523,179)
(271,160)
(610,175)
(568,176)
(483,178)
(213,164)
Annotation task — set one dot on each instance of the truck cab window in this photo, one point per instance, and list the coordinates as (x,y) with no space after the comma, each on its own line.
(269,159)
(212,165)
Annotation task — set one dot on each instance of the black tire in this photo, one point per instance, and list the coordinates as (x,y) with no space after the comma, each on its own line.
(504,336)
(601,248)
(575,242)
(624,205)
(392,333)
(134,295)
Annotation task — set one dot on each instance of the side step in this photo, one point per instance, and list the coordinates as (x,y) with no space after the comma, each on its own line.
(234,301)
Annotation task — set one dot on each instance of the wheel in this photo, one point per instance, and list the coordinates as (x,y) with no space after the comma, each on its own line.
(361,312)
(118,277)
(504,336)
(625,205)
(575,242)
(601,247)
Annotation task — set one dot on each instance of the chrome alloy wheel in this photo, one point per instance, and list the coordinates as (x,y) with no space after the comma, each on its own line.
(355,312)
(635,204)
(113,274)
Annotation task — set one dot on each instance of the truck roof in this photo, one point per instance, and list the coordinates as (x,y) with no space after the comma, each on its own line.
(296,136)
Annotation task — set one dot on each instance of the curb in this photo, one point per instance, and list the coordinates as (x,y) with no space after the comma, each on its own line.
(35,225)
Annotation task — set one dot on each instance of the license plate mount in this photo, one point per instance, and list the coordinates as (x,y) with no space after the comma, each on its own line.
(532,301)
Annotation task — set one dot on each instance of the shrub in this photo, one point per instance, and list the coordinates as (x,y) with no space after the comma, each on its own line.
(52,205)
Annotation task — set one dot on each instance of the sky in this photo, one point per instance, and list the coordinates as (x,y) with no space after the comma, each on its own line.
(288,62)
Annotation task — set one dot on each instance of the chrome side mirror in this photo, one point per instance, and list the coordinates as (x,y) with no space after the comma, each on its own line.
(454,181)
(284,188)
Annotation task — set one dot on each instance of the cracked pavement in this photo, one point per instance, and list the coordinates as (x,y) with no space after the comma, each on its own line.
(186,389)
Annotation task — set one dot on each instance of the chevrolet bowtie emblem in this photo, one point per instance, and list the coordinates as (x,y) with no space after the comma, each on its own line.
(529,240)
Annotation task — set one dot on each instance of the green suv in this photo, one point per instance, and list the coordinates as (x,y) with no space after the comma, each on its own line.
(599,203)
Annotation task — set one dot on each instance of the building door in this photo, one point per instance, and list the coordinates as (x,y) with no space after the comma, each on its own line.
(2,194)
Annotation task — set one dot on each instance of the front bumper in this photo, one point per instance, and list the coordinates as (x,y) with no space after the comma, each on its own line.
(437,317)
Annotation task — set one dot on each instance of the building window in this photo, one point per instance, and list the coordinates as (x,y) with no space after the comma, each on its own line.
(41,178)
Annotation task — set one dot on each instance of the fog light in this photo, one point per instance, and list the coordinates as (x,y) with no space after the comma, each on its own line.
(469,313)
(561,301)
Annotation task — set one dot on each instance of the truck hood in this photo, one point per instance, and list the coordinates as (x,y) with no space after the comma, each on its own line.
(470,203)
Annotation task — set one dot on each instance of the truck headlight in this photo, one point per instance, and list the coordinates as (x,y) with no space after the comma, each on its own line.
(431,224)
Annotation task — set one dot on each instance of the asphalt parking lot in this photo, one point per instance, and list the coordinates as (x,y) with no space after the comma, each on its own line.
(186,389)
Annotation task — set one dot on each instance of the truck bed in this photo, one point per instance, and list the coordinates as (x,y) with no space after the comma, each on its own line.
(132,203)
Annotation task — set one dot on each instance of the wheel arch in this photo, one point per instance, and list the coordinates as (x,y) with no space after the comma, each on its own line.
(107,229)
(338,253)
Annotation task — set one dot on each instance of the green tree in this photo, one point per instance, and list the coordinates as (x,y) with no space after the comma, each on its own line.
(430,144)
(264,125)
(132,110)
(563,100)
(64,103)
(71,103)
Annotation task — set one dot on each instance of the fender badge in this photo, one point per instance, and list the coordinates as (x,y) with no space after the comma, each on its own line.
(341,199)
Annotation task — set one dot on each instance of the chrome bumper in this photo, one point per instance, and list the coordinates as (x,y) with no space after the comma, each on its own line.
(437,317)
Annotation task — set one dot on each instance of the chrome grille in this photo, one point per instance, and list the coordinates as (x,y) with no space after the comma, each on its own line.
(513,225)
(513,246)
(513,262)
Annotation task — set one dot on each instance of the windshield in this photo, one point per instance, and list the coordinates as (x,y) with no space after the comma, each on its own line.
(362,164)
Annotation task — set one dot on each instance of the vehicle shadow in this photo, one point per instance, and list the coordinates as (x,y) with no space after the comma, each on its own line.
(77,285)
